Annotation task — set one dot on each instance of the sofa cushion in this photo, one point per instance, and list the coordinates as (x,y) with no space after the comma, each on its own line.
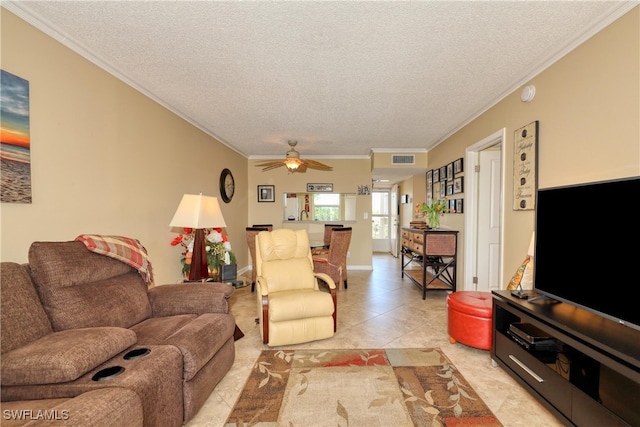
(22,317)
(78,288)
(197,337)
(63,356)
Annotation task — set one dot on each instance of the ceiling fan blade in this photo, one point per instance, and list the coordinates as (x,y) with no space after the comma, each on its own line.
(266,166)
(302,168)
(316,165)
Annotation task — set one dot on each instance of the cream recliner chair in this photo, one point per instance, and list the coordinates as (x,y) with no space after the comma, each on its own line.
(291,307)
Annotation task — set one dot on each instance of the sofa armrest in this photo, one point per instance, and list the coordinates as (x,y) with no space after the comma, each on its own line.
(187,298)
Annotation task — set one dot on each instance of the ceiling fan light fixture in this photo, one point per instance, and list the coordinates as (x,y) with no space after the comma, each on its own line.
(292,164)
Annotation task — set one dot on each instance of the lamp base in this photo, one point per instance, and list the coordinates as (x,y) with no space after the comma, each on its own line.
(199,268)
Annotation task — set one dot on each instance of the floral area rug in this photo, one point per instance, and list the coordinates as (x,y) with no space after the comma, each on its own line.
(394,387)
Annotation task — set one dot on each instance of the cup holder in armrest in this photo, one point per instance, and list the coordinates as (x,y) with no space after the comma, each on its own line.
(108,373)
(136,353)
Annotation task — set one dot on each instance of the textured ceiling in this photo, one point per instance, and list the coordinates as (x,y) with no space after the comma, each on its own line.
(342,78)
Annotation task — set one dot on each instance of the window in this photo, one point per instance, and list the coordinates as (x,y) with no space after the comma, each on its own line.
(380,215)
(326,207)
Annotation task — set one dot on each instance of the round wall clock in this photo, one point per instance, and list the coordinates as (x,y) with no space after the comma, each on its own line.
(227,185)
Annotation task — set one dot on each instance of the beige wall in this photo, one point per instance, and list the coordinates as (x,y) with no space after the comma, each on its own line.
(588,106)
(346,176)
(106,159)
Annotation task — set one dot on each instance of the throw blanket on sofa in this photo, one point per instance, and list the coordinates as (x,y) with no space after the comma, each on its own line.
(130,251)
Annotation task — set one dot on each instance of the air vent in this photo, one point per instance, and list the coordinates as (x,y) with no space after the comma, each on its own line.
(403,159)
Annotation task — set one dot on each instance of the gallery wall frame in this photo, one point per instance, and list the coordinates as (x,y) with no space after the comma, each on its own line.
(458,184)
(458,166)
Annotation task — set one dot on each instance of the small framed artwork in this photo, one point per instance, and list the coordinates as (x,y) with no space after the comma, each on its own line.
(459,205)
(443,173)
(449,189)
(457,185)
(436,175)
(429,176)
(450,172)
(266,193)
(443,189)
(457,166)
(452,205)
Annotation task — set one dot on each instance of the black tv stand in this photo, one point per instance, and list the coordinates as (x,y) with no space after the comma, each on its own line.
(583,367)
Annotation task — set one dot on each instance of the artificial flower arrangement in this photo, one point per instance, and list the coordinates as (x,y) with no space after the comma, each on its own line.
(433,210)
(217,247)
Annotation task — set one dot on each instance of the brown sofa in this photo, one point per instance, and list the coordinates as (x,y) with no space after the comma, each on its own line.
(75,322)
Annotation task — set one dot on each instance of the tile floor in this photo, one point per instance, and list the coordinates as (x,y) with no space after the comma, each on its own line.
(381,310)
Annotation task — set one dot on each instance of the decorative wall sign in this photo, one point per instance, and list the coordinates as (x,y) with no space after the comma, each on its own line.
(525,167)
(316,188)
(364,190)
(15,145)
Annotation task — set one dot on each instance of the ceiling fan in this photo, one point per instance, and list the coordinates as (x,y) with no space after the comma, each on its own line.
(293,162)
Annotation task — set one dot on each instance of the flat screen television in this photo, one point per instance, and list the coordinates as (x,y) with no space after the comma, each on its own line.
(587,247)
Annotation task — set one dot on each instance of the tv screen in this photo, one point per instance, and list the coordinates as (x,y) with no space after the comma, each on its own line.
(587,247)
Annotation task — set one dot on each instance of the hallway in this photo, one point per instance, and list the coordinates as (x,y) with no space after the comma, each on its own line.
(382,310)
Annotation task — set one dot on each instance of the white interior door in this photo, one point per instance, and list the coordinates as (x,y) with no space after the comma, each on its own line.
(489,223)
(483,256)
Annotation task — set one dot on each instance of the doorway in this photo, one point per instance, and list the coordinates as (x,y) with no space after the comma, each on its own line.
(484,219)
(381,220)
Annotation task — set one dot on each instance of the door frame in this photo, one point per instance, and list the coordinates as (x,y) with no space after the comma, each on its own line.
(472,192)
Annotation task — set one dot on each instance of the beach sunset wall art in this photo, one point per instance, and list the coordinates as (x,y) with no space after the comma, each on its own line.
(15,141)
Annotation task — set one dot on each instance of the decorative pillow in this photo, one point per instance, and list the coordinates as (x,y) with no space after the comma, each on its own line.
(517,278)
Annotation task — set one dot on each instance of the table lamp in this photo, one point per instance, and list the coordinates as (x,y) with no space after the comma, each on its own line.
(198,212)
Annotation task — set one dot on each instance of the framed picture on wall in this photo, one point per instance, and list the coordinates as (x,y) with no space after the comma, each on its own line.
(266,193)
(436,175)
(457,185)
(429,176)
(450,172)
(443,173)
(459,205)
(457,166)
(449,189)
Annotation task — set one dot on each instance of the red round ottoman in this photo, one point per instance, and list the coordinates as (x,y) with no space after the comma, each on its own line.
(470,318)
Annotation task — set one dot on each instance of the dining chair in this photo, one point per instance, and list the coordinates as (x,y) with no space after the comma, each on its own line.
(269,227)
(328,228)
(252,232)
(334,262)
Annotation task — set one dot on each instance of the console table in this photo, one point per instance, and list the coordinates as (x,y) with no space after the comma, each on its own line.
(581,366)
(434,252)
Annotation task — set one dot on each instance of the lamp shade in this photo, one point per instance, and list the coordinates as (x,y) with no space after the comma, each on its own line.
(198,211)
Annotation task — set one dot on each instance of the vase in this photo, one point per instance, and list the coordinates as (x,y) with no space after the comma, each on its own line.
(433,220)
